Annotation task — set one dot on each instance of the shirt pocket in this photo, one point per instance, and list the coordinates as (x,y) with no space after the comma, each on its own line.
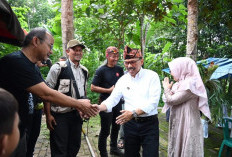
(64,86)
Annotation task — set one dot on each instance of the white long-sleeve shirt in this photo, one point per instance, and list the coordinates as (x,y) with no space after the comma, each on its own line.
(139,92)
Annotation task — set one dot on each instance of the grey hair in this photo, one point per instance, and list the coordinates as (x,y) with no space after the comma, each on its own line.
(35,32)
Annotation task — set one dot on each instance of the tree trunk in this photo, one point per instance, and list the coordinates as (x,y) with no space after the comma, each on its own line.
(121,32)
(66,22)
(142,38)
(192,35)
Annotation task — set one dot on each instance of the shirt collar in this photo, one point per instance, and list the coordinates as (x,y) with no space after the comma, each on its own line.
(139,74)
(73,65)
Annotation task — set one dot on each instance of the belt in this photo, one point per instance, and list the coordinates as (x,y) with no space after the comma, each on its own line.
(144,119)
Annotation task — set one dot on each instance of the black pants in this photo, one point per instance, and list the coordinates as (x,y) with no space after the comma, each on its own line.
(145,134)
(33,131)
(65,139)
(106,120)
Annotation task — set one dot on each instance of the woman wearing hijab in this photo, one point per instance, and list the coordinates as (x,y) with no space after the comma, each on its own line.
(186,98)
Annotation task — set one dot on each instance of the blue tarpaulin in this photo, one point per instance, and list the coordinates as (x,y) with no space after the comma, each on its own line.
(223,71)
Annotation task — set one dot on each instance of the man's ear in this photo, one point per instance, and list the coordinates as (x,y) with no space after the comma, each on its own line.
(67,51)
(142,61)
(3,144)
(35,41)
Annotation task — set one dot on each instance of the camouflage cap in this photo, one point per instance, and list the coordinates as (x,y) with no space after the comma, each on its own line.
(75,42)
(130,53)
(111,49)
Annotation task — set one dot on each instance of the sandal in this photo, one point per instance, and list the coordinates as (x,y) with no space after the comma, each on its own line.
(121,143)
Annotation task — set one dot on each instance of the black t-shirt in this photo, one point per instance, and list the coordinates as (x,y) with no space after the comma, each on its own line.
(17,74)
(106,77)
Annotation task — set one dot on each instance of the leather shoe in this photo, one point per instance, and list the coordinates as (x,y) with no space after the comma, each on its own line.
(116,151)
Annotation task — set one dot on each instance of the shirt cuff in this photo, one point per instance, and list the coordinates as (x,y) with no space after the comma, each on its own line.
(108,107)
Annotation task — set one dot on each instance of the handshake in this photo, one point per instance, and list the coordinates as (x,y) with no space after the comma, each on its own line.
(87,110)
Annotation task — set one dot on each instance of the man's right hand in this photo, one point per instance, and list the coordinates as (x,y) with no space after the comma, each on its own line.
(50,120)
(87,109)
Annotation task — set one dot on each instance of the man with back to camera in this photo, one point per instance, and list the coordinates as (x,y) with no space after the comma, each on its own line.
(68,77)
(20,77)
(141,90)
(103,82)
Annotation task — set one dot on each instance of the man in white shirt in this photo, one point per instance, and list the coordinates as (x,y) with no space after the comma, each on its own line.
(141,90)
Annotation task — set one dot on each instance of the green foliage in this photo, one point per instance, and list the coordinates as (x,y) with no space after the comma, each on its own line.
(106,23)
(215,28)
(6,49)
(91,61)
(158,61)
(37,13)
(215,92)
(21,12)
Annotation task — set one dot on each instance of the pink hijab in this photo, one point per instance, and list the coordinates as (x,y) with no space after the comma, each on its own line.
(185,70)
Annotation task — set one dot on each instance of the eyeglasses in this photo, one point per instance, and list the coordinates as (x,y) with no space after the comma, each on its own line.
(131,62)
(50,45)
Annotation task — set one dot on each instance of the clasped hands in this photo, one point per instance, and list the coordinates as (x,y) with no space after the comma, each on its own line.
(87,110)
(93,110)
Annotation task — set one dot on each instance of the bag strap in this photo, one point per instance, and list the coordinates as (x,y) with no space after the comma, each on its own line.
(86,77)
(73,79)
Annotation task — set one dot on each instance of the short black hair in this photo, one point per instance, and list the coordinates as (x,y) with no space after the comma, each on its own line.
(35,32)
(8,110)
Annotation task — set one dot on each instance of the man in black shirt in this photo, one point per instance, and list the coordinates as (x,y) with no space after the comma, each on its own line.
(20,77)
(104,80)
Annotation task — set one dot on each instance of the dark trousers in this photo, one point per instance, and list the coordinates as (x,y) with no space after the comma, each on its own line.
(145,134)
(65,139)
(33,132)
(106,120)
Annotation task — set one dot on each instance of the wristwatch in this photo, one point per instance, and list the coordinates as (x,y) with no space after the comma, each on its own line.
(135,115)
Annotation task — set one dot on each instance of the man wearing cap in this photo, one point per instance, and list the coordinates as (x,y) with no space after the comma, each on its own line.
(103,82)
(141,90)
(68,77)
